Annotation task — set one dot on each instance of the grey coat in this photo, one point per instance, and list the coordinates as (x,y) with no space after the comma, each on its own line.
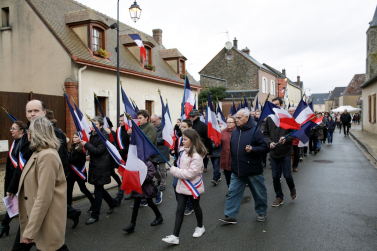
(164,150)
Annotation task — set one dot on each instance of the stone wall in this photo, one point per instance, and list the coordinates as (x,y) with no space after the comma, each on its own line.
(371,62)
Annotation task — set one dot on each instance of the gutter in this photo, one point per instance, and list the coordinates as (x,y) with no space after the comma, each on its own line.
(221,79)
(79,82)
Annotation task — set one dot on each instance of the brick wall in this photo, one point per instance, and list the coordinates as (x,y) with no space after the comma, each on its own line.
(71,88)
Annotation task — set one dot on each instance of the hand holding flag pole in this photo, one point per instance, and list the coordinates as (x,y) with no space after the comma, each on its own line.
(256,127)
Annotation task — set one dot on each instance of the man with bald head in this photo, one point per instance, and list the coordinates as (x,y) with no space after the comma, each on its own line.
(247,168)
(345,120)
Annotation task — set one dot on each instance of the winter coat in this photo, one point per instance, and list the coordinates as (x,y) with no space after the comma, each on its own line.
(201,129)
(100,163)
(77,158)
(177,131)
(216,150)
(191,168)
(225,158)
(150,131)
(244,163)
(148,186)
(125,138)
(345,118)
(164,150)
(273,133)
(262,125)
(318,131)
(330,125)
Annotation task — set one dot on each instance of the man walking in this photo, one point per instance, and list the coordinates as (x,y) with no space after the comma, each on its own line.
(345,120)
(247,168)
(280,156)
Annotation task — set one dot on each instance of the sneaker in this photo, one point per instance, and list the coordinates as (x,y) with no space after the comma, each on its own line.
(261,217)
(277,202)
(301,159)
(214,182)
(293,193)
(158,198)
(199,231)
(219,179)
(171,239)
(188,211)
(162,188)
(143,203)
(228,220)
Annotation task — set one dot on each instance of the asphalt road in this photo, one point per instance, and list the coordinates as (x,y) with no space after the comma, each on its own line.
(336,209)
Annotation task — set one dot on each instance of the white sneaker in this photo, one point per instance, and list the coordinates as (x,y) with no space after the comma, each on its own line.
(199,231)
(172,239)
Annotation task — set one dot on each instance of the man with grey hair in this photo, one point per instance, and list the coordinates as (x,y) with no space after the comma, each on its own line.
(247,168)
(158,161)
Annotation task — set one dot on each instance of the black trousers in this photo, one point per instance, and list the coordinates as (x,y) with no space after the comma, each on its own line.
(227,174)
(6,220)
(135,211)
(100,193)
(182,198)
(17,246)
(296,156)
(346,128)
(313,143)
(72,178)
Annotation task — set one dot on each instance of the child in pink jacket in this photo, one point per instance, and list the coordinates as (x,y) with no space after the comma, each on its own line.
(190,183)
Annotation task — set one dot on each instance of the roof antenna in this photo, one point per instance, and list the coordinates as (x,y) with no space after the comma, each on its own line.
(227,32)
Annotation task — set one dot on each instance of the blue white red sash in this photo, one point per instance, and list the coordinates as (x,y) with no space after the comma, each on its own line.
(21,161)
(119,138)
(79,172)
(12,158)
(192,187)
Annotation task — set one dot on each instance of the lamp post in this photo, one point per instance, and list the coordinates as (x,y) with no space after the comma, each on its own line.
(135,13)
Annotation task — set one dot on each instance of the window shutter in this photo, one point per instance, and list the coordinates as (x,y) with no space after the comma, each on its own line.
(374,108)
(370,108)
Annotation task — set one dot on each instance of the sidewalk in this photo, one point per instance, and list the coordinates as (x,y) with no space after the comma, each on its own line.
(366,139)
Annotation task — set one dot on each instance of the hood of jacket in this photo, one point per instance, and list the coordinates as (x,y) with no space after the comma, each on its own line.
(249,125)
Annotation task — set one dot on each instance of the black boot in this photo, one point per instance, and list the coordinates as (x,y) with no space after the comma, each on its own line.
(130,228)
(4,229)
(157,221)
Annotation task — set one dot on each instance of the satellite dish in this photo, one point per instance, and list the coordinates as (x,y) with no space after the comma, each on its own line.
(228,45)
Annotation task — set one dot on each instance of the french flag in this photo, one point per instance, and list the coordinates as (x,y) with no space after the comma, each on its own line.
(135,171)
(137,40)
(251,105)
(167,127)
(304,133)
(202,117)
(233,110)
(13,118)
(220,116)
(256,104)
(280,116)
(214,132)
(188,100)
(303,113)
(128,108)
(85,129)
(105,124)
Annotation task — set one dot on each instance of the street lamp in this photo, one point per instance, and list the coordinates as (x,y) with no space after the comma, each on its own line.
(135,13)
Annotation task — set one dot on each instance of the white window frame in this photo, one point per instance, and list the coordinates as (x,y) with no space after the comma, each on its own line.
(272,87)
(264,85)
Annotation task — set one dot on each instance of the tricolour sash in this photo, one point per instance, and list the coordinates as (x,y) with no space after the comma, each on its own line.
(12,158)
(21,161)
(188,184)
(119,138)
(79,172)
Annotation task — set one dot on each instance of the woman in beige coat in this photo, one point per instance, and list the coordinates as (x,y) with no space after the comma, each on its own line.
(43,190)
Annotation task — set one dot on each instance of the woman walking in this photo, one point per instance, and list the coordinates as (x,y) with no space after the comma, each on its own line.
(12,170)
(225,158)
(189,173)
(42,192)
(77,159)
(337,122)
(330,125)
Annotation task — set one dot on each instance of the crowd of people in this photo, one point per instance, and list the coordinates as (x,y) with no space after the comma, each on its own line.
(43,169)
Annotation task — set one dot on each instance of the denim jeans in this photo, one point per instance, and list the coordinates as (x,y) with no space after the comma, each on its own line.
(237,189)
(319,142)
(329,137)
(99,194)
(281,166)
(216,168)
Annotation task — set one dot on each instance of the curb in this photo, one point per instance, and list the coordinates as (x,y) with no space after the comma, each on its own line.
(74,198)
(366,147)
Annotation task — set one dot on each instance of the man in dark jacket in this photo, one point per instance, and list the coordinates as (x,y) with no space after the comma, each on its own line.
(246,167)
(280,156)
(345,120)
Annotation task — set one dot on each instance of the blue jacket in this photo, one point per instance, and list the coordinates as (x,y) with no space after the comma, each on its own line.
(243,163)
(330,125)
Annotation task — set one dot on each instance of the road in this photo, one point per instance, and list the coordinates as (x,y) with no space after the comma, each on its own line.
(336,209)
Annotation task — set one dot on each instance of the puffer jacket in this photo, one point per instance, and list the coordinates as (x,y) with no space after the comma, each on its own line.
(148,184)
(100,163)
(190,169)
(244,163)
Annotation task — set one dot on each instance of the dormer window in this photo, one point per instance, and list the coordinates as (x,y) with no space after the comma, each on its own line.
(96,39)
(175,59)
(134,49)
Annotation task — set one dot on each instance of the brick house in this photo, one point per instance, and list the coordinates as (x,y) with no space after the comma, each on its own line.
(240,73)
(46,44)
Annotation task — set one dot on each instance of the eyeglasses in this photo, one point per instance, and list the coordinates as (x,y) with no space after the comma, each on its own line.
(230,122)
(154,121)
(13,129)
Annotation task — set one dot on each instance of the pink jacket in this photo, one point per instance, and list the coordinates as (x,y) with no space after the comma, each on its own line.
(190,169)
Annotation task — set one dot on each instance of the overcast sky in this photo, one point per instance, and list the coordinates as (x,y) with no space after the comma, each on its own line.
(324,41)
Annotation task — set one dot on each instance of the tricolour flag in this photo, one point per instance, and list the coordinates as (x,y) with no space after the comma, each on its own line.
(167,126)
(137,40)
(303,113)
(256,104)
(283,89)
(188,100)
(105,123)
(13,118)
(220,116)
(213,128)
(85,129)
(280,116)
(128,108)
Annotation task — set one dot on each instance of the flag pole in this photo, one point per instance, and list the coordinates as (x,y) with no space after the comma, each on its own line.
(294,130)
(256,127)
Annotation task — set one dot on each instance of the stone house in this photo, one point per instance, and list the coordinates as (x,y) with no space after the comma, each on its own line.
(239,72)
(332,100)
(319,101)
(353,91)
(46,44)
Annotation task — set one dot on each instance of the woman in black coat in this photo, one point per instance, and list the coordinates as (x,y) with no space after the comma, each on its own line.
(330,126)
(99,170)
(77,159)
(13,169)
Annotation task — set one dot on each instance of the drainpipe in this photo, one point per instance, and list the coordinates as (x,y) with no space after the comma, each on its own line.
(226,82)
(79,82)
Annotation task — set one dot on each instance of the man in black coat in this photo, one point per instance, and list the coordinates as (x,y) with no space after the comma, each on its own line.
(247,168)
(280,156)
(345,120)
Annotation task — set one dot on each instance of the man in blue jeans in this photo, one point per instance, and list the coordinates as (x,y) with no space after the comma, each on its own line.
(247,168)
(280,156)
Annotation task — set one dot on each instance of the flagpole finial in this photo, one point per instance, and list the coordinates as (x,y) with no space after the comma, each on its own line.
(63,89)
(166,101)
(88,118)
(243,93)
(232,97)
(73,100)
(159,91)
(207,87)
(303,95)
(128,116)
(95,95)
(4,110)
(120,82)
(217,99)
(267,97)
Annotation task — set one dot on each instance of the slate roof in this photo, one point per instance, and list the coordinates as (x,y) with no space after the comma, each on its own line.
(171,53)
(336,93)
(319,98)
(374,20)
(353,87)
(53,13)
(253,60)
(238,95)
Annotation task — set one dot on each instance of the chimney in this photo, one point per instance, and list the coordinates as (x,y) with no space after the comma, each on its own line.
(235,42)
(284,72)
(298,80)
(246,50)
(157,35)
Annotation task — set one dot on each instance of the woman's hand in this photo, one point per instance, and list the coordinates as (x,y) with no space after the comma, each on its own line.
(11,195)
(83,142)
(26,240)
(248,149)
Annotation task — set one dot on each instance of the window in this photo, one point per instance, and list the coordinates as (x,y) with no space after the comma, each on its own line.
(370,108)
(320,107)
(96,39)
(102,101)
(272,88)
(264,85)
(5,17)
(181,67)
(148,106)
